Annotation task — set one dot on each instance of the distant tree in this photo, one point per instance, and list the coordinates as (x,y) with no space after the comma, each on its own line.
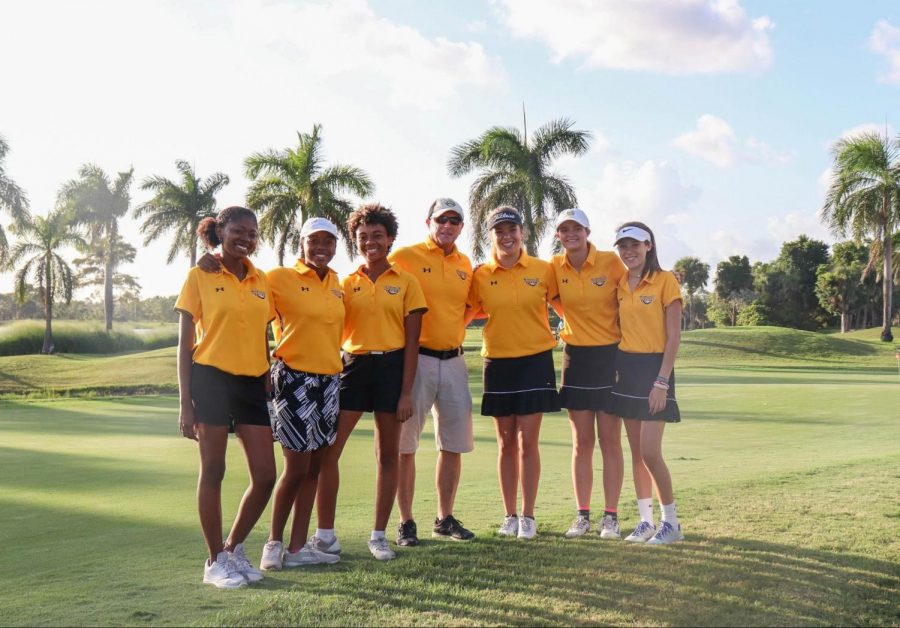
(92,268)
(864,199)
(97,202)
(290,186)
(695,274)
(36,257)
(733,289)
(787,289)
(513,170)
(179,207)
(12,199)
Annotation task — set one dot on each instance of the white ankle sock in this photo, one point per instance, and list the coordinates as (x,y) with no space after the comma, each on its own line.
(325,534)
(668,513)
(376,535)
(645,509)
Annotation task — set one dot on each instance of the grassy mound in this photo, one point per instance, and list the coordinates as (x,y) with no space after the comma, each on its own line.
(25,337)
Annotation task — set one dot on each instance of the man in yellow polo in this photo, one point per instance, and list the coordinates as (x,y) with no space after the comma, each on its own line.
(442,381)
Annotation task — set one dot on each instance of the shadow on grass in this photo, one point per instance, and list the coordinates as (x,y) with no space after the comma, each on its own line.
(705,581)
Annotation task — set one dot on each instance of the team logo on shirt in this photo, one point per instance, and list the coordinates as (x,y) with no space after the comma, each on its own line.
(462,274)
(392,289)
(337,293)
(647,300)
(531,281)
(598,281)
(258,293)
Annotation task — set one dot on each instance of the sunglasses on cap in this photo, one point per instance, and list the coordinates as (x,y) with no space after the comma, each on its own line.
(444,219)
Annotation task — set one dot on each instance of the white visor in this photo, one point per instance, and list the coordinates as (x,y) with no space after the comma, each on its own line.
(635,233)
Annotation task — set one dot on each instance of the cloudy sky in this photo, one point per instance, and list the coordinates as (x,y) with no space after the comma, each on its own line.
(712,119)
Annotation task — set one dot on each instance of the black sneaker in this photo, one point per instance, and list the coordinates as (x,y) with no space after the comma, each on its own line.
(450,528)
(406,534)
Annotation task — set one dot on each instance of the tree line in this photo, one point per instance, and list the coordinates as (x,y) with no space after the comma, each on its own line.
(806,286)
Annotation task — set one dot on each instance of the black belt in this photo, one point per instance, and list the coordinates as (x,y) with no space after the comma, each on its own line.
(441,355)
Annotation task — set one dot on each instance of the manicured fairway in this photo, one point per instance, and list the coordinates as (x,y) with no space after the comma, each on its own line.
(785,471)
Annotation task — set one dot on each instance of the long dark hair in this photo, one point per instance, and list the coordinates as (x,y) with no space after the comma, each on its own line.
(206,230)
(651,263)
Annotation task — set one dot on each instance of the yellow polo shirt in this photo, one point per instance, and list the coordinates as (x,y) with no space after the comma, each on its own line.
(376,312)
(445,281)
(588,297)
(230,319)
(515,302)
(642,313)
(310,318)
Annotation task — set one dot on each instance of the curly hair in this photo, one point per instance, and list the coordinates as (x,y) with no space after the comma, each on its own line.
(372,214)
(206,230)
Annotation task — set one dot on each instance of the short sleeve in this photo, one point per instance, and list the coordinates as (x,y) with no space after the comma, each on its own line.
(671,290)
(414,299)
(472,300)
(552,283)
(189,299)
(617,269)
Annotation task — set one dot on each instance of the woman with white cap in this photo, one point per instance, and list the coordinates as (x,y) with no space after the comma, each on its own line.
(583,289)
(511,290)
(644,393)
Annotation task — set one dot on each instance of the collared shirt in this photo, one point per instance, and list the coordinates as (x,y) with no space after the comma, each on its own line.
(376,312)
(310,318)
(445,282)
(642,313)
(588,297)
(230,319)
(515,302)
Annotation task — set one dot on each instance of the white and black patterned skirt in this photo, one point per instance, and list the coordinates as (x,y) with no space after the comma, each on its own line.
(306,407)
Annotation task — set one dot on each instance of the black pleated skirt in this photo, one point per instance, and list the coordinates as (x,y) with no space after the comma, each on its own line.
(519,386)
(588,377)
(630,396)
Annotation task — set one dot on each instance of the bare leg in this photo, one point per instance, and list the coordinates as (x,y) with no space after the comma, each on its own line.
(257,443)
(296,468)
(507,461)
(213,441)
(446,480)
(406,485)
(387,455)
(529,431)
(651,450)
(303,506)
(329,474)
(583,436)
(643,483)
(610,429)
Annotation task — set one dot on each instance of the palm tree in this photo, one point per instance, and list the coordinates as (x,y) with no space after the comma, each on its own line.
(179,207)
(515,171)
(695,274)
(290,186)
(97,203)
(35,257)
(864,199)
(12,198)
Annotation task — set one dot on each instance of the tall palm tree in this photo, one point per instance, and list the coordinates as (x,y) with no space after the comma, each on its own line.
(12,198)
(35,258)
(290,186)
(695,274)
(97,202)
(864,199)
(179,207)
(513,170)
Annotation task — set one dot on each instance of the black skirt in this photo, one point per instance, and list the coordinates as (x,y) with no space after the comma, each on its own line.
(519,386)
(588,377)
(630,396)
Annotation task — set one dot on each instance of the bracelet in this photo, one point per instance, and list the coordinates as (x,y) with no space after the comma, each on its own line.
(661,379)
(660,385)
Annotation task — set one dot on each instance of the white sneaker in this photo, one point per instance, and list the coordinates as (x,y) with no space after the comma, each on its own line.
(527,528)
(579,527)
(307,555)
(222,573)
(609,528)
(642,533)
(332,547)
(272,556)
(667,533)
(510,526)
(243,564)
(380,549)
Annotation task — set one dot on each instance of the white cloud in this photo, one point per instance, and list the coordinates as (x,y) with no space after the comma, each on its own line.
(885,41)
(714,140)
(791,225)
(671,36)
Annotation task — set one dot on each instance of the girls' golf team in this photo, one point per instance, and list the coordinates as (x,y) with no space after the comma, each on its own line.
(621,333)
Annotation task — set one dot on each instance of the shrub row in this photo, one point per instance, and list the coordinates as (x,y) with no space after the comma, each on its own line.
(26,337)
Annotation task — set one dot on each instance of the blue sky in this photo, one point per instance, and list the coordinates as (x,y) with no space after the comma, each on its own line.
(712,120)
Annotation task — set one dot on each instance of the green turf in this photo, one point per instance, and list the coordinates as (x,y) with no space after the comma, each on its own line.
(785,471)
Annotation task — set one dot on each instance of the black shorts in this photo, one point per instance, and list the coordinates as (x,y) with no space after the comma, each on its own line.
(227,400)
(306,408)
(631,394)
(371,382)
(588,376)
(519,386)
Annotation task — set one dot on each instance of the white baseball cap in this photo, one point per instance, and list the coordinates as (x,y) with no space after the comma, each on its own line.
(444,205)
(575,215)
(635,233)
(316,224)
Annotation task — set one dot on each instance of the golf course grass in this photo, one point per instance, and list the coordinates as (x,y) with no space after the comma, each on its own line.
(785,468)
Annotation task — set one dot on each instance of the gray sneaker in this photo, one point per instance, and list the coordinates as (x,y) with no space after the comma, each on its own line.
(609,528)
(380,549)
(334,547)
(667,533)
(510,526)
(642,533)
(579,527)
